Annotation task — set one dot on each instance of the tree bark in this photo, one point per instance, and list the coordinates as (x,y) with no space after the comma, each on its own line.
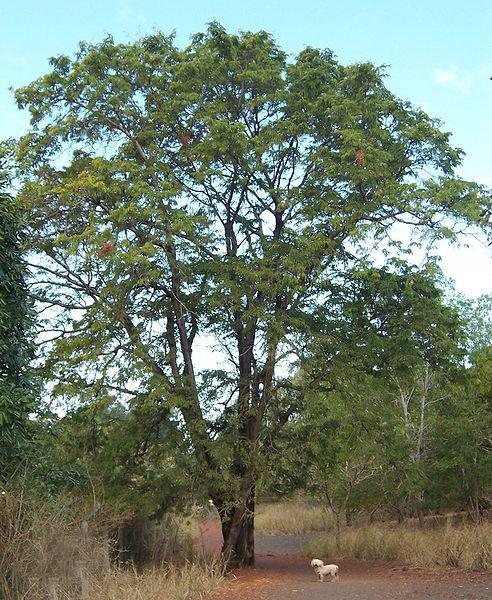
(238,549)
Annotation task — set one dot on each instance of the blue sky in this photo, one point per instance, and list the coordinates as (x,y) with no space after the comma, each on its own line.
(439,56)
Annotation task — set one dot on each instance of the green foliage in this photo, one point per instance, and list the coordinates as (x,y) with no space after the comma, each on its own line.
(476,315)
(387,320)
(15,397)
(131,459)
(402,423)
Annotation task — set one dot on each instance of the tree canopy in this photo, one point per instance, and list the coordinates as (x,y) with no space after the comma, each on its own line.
(216,194)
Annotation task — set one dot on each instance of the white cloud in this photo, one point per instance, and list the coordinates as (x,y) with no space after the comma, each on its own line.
(453,77)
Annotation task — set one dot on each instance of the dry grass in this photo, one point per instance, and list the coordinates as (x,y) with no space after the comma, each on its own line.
(189,582)
(293,518)
(44,554)
(445,545)
(465,546)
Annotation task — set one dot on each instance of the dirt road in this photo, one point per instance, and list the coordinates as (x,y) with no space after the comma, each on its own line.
(281,574)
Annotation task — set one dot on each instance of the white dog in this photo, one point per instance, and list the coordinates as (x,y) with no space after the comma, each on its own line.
(321,569)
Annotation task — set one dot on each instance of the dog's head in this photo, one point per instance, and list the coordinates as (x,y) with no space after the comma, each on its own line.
(316,563)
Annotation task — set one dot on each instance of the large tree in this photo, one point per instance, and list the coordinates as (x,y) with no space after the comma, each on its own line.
(205,195)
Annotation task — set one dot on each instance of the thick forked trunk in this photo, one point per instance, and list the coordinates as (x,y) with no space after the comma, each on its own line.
(238,549)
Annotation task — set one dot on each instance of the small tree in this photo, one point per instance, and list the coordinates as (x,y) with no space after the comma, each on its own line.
(343,461)
(462,454)
(208,194)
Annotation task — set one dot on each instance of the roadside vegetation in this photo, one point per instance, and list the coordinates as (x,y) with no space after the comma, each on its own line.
(48,550)
(463,546)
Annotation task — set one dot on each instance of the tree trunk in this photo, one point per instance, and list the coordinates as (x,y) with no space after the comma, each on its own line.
(337,529)
(348,517)
(372,514)
(477,510)
(238,549)
(400,515)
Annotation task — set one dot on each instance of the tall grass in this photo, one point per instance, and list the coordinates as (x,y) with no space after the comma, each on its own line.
(191,581)
(45,554)
(293,518)
(465,546)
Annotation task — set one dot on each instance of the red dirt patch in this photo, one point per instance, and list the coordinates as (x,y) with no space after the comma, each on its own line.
(209,540)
